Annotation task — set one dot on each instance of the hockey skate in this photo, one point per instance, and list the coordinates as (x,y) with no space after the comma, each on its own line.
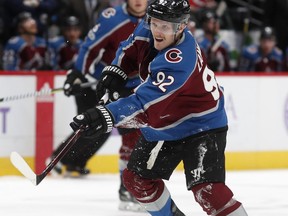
(76,171)
(128,202)
(67,170)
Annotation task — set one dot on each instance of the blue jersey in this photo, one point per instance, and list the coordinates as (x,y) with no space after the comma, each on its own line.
(99,48)
(179,95)
(19,55)
(252,59)
(216,51)
(62,54)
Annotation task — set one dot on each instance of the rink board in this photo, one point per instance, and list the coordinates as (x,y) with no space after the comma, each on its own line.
(256,104)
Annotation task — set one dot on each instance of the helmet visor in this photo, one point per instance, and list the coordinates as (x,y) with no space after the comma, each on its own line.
(156,25)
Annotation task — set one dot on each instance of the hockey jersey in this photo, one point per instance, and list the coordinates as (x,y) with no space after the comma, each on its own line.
(179,95)
(98,50)
(217,54)
(18,55)
(62,54)
(253,60)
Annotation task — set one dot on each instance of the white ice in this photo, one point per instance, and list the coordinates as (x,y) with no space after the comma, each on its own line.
(263,193)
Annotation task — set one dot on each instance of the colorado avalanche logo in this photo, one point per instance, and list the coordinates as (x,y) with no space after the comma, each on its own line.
(286,113)
(173,55)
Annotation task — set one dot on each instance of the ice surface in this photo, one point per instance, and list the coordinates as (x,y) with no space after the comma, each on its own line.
(263,193)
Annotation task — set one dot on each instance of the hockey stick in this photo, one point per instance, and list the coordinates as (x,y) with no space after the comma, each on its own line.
(41,93)
(24,168)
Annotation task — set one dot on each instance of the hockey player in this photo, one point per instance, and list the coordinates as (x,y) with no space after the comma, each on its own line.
(64,49)
(25,51)
(179,109)
(97,51)
(215,48)
(265,57)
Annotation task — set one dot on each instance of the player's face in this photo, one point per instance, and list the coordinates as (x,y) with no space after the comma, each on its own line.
(72,34)
(267,45)
(212,26)
(29,26)
(137,7)
(163,33)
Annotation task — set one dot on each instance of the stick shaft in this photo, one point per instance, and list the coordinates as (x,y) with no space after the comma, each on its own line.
(24,168)
(40,93)
(69,143)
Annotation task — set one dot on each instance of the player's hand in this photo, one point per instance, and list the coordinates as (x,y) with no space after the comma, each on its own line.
(72,83)
(96,121)
(113,80)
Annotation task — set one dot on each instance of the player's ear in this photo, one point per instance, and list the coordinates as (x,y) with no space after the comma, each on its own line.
(182,27)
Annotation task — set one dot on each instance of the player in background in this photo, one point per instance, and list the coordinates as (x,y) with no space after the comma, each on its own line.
(192,25)
(25,51)
(265,57)
(64,49)
(179,108)
(286,60)
(213,44)
(97,51)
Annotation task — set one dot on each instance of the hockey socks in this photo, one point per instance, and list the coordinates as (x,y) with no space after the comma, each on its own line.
(217,199)
(151,194)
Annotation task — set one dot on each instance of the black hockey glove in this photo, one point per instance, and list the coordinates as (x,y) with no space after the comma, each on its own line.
(96,121)
(113,80)
(72,83)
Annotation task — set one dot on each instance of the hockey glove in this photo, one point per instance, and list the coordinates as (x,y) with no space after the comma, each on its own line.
(96,121)
(72,83)
(113,80)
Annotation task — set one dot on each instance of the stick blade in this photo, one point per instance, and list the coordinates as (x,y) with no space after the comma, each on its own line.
(23,167)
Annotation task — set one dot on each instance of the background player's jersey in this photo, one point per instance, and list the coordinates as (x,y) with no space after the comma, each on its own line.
(63,55)
(18,55)
(218,59)
(253,60)
(99,48)
(179,97)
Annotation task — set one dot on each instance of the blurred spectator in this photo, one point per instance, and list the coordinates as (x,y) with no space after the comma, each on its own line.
(64,49)
(114,3)
(213,45)
(264,57)
(276,15)
(41,10)
(86,10)
(219,7)
(192,25)
(25,51)
(196,5)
